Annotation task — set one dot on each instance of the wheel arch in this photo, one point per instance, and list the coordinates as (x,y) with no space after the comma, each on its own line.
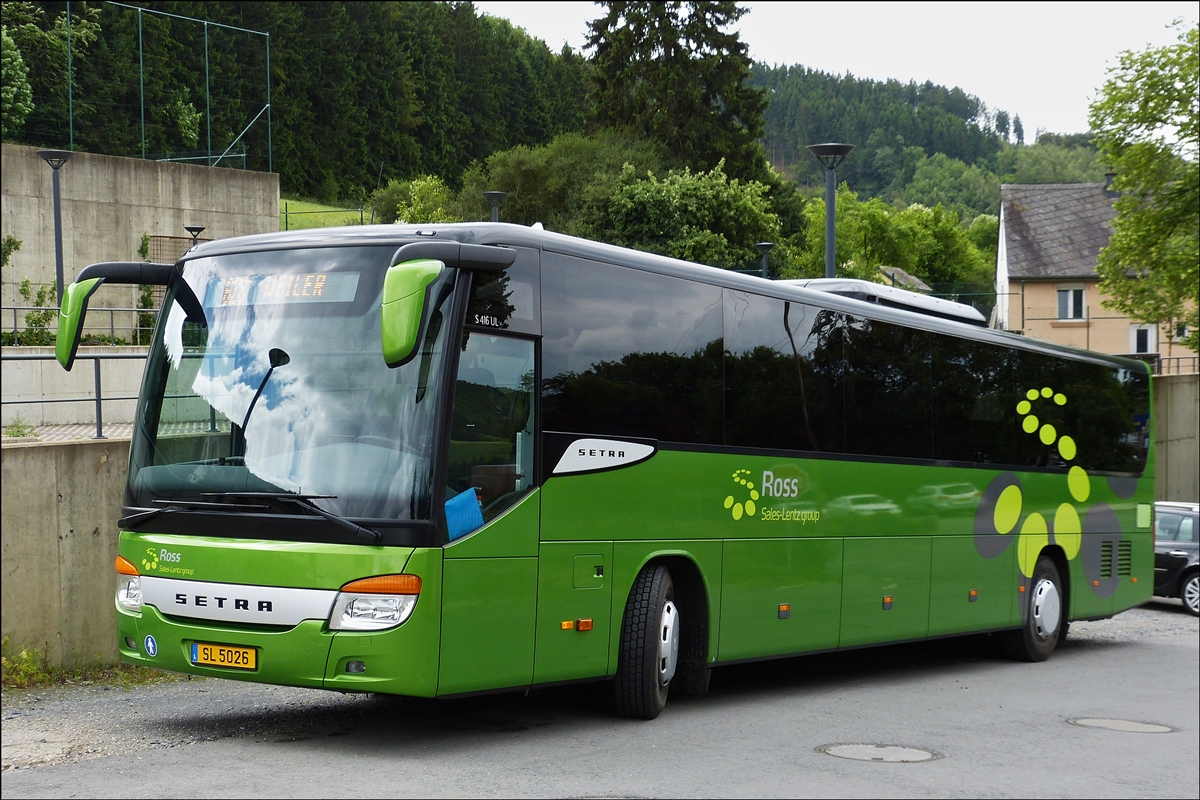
(693,594)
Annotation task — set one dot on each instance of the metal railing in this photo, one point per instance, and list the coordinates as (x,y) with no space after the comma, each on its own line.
(92,312)
(98,398)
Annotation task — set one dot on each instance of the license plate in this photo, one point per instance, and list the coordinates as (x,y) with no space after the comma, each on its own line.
(224,655)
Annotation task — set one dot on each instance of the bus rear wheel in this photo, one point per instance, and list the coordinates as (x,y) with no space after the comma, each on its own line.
(649,648)
(1045,617)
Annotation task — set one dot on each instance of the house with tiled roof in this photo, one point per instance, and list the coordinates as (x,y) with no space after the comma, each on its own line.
(1046,281)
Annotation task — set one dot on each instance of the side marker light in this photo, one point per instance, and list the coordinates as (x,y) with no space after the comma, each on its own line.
(887,602)
(568,624)
(1021,589)
(1134,580)
(583,625)
(1095,583)
(785,610)
(973,596)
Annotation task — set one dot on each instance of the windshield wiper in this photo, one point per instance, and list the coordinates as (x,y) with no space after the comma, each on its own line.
(305,501)
(165,506)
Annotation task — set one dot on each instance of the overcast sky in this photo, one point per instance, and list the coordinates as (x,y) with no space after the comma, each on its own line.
(1043,61)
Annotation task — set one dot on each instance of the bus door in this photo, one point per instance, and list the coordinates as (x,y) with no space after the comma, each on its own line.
(490,568)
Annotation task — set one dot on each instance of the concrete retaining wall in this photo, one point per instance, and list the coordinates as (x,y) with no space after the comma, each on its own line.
(108,202)
(58,542)
(34,380)
(1177,437)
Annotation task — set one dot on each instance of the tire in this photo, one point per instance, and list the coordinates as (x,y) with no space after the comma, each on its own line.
(1189,593)
(649,648)
(1045,620)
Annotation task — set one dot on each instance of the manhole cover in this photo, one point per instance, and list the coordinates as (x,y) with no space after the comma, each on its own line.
(1124,725)
(891,753)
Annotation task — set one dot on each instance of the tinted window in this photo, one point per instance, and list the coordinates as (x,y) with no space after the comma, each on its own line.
(783,385)
(630,353)
(508,300)
(888,390)
(1103,411)
(974,406)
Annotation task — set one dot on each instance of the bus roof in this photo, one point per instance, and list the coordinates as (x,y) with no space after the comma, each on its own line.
(503,233)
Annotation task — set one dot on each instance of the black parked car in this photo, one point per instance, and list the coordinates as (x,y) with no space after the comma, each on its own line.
(1176,573)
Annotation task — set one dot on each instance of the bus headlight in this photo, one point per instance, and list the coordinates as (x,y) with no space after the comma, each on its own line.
(129,592)
(129,586)
(375,604)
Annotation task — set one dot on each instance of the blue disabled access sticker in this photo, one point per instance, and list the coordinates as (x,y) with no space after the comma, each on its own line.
(151,646)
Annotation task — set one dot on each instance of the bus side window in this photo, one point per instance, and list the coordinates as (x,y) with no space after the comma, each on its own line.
(491,438)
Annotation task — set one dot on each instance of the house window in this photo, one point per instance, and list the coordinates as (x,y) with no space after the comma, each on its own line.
(1070,303)
(1142,339)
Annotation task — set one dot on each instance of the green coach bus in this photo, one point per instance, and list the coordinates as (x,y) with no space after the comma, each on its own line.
(454,459)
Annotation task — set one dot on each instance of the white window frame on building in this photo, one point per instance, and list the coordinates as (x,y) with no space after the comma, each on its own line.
(1072,303)
(1150,339)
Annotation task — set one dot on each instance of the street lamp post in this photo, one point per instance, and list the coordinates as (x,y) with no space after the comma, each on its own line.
(830,154)
(195,231)
(495,198)
(764,248)
(56,158)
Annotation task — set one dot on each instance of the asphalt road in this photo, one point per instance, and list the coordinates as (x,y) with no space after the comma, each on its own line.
(997,728)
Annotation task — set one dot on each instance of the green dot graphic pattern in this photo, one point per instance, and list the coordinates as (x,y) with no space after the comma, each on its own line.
(739,508)
(1035,532)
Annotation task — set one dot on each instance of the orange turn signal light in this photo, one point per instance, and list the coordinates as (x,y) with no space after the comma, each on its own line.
(385,584)
(1134,580)
(124,567)
(1021,589)
(583,625)
(1095,583)
(568,624)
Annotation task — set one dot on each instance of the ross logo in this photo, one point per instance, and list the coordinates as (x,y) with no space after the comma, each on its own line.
(747,507)
(153,557)
(151,646)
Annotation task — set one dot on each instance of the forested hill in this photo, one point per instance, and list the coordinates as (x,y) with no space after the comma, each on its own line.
(914,142)
(881,118)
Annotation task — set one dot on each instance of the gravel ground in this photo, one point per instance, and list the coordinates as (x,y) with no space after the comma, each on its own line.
(71,724)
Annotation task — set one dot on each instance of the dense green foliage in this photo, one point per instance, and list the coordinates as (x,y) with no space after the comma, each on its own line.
(670,71)
(1146,124)
(16,96)
(358,90)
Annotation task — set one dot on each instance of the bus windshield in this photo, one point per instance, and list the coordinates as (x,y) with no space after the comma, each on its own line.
(267,376)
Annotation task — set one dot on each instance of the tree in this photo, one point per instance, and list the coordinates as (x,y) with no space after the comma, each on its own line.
(564,184)
(423,199)
(1002,124)
(16,97)
(1145,124)
(1019,130)
(706,217)
(670,71)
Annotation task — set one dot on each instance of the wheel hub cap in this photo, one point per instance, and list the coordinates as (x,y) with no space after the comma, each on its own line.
(1046,608)
(668,643)
(1191,593)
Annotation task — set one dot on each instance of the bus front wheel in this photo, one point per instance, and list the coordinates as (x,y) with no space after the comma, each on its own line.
(1045,617)
(649,648)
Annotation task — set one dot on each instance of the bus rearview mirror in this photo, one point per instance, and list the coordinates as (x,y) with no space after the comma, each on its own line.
(73,308)
(402,313)
(70,320)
